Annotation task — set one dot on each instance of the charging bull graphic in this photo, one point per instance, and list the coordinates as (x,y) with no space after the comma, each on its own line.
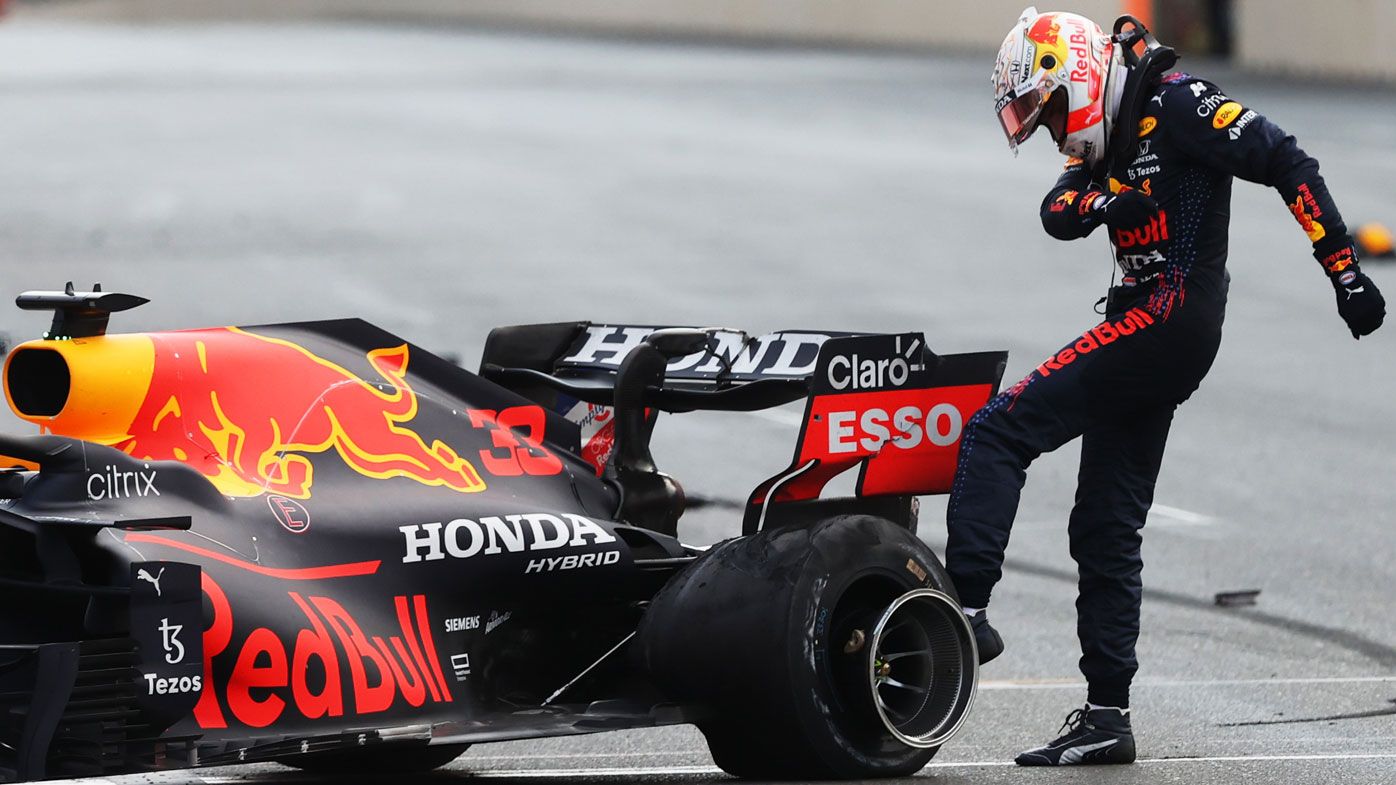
(249,410)
(1045,30)
(257,430)
(1053,47)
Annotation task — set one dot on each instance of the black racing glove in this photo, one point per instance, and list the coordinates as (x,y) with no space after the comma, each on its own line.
(1129,209)
(1359,300)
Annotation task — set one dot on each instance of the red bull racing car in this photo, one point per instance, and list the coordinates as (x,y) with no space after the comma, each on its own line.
(321,545)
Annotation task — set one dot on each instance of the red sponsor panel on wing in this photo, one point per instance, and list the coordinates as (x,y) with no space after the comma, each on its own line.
(888,406)
(910,439)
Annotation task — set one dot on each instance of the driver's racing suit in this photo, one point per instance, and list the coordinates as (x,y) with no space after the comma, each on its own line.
(1118,383)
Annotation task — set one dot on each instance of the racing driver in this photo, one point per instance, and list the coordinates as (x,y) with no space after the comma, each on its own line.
(1150,156)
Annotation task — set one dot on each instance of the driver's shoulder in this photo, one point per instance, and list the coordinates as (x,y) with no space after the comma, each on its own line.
(1181,93)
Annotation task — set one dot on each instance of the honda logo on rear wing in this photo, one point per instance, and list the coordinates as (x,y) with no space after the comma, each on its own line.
(732,355)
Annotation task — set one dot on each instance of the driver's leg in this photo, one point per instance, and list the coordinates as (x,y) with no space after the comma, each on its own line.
(1089,380)
(1000,441)
(1119,465)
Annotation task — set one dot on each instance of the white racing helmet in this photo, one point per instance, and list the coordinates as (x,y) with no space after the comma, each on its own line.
(1059,70)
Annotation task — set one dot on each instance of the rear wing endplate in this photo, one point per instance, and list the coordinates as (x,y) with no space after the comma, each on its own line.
(888,407)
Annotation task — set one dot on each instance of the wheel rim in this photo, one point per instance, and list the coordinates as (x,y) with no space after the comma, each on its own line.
(922,668)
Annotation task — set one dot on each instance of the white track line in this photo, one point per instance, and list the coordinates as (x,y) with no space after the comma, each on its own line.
(1198,759)
(1165,683)
(570,756)
(714,771)
(1179,515)
(659,771)
(652,771)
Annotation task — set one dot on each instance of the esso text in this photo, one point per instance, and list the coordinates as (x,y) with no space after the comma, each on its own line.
(907,427)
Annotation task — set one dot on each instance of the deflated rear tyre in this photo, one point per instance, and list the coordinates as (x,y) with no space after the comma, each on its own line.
(835,651)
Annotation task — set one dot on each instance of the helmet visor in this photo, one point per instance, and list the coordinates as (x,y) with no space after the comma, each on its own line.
(1018,115)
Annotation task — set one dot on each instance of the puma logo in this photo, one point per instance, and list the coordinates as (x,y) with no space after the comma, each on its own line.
(154,580)
(1078,754)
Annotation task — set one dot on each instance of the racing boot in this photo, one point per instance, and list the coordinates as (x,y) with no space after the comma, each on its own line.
(1093,736)
(986,638)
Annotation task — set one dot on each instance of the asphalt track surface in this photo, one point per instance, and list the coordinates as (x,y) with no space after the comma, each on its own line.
(440,182)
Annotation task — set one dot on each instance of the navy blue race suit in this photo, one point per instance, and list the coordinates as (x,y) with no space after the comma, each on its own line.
(1117,385)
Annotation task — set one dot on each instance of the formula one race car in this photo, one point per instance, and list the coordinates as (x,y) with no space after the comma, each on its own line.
(321,545)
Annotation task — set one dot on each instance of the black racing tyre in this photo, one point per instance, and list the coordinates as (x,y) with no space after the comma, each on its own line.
(836,651)
(377,759)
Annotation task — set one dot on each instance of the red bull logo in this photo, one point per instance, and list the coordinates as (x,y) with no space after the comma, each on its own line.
(1063,201)
(1312,228)
(1097,337)
(1307,218)
(248,410)
(1152,233)
(361,673)
(1083,68)
(1338,261)
(1045,30)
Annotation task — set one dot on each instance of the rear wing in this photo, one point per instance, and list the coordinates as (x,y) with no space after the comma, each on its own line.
(734,371)
(571,367)
(883,404)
